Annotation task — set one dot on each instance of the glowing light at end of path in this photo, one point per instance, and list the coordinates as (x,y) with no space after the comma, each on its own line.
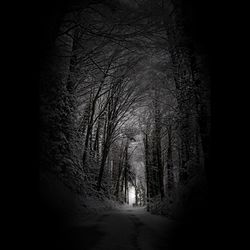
(131,195)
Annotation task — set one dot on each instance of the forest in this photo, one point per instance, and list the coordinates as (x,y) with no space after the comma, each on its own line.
(125,116)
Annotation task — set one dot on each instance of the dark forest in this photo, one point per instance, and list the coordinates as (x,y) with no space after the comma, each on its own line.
(124,124)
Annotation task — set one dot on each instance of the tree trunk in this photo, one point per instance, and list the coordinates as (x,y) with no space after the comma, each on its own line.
(170,182)
(103,161)
(126,175)
(147,169)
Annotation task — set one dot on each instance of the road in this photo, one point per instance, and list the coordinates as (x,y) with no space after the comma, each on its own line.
(125,229)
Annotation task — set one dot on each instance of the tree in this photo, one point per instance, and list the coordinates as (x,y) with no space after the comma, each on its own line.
(118,67)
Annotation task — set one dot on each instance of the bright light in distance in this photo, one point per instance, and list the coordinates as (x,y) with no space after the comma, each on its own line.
(131,195)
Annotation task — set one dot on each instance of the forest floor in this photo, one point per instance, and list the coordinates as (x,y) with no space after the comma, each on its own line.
(75,223)
(127,228)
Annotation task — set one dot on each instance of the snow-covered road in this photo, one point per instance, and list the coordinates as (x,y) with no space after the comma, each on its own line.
(125,229)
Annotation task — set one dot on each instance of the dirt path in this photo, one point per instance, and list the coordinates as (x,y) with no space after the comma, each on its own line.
(125,229)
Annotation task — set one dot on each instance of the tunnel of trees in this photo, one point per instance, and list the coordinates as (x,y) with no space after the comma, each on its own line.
(125,102)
